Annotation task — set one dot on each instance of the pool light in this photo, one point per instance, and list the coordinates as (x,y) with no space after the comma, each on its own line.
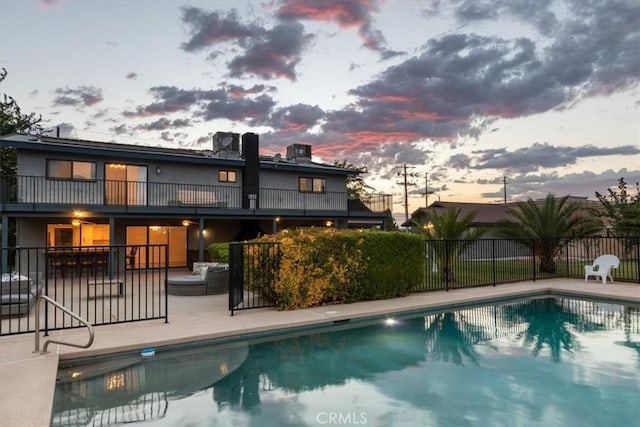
(390,321)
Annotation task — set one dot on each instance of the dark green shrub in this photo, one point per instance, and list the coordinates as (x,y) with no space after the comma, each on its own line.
(219,252)
(393,264)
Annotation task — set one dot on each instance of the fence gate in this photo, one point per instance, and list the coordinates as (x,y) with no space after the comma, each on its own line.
(253,270)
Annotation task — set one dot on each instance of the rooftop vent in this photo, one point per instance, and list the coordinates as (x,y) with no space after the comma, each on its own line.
(226,143)
(301,153)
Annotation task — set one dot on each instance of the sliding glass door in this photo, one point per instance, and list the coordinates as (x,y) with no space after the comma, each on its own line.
(173,236)
(125,184)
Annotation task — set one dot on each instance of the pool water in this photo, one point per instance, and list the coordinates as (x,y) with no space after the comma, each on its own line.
(539,362)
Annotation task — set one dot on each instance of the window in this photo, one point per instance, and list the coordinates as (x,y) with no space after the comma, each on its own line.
(311,185)
(70,169)
(227,176)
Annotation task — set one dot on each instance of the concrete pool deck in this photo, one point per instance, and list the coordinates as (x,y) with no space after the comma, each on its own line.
(27,379)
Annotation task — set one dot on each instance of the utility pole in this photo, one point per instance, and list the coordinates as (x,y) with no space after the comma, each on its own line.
(426,190)
(504,180)
(406,182)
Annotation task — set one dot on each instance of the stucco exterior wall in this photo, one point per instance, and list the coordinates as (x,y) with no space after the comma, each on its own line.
(280,189)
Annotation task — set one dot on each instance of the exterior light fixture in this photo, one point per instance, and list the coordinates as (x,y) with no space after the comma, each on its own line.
(277,219)
(185,222)
(158,170)
(328,223)
(75,221)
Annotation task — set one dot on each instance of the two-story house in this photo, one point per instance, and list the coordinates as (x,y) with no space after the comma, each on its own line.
(69,192)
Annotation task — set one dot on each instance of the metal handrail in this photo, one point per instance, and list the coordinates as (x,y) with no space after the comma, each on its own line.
(70,313)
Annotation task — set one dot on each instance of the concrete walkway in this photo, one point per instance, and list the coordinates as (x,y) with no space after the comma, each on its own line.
(27,379)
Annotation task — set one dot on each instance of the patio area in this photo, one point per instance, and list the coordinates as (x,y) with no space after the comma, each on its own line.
(27,379)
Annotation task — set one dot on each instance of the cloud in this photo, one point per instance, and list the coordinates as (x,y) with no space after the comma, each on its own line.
(345,13)
(132,76)
(82,96)
(273,55)
(540,156)
(459,161)
(582,184)
(539,13)
(266,53)
(208,104)
(459,84)
(210,28)
(239,91)
(173,137)
(169,100)
(297,118)
(121,129)
(164,124)
(252,111)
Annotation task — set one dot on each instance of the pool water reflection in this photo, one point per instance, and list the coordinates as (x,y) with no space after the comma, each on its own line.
(544,362)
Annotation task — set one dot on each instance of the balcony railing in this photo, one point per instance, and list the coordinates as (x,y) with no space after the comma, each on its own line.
(38,190)
(377,202)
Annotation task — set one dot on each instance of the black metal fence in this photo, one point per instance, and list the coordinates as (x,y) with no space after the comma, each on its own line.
(95,282)
(253,271)
(450,264)
(454,264)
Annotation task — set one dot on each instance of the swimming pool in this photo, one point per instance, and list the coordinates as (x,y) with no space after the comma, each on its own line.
(536,362)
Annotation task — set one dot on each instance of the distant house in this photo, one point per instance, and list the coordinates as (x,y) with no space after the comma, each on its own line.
(71,192)
(488,215)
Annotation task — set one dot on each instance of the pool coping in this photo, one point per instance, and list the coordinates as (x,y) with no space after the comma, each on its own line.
(33,376)
(298,327)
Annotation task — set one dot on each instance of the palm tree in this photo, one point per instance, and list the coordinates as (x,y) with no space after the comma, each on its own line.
(449,338)
(450,235)
(547,227)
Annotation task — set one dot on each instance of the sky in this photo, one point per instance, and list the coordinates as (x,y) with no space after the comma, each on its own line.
(467,94)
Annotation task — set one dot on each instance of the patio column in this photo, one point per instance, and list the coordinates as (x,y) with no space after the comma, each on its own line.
(201,240)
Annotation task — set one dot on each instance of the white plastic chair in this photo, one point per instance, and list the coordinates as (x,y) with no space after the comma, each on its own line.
(602,267)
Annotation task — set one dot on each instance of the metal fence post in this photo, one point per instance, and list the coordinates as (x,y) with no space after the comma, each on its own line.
(533,256)
(446,265)
(493,261)
(638,258)
(166,284)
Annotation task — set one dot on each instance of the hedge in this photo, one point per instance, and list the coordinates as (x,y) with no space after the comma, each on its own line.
(322,266)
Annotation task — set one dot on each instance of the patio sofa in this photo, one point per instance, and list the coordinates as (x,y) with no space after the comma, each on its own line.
(208,278)
(216,275)
(217,279)
(18,293)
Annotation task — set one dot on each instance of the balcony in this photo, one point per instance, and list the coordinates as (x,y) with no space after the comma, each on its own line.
(33,192)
